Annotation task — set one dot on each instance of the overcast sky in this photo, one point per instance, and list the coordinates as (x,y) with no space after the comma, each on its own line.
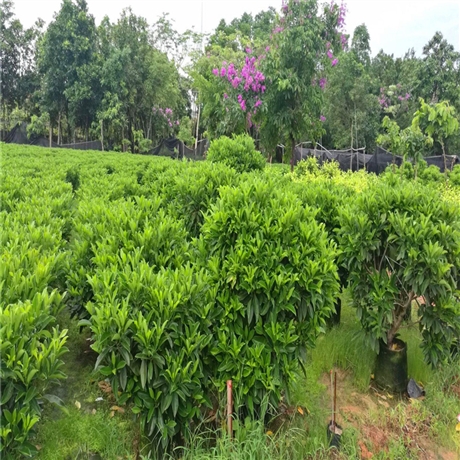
(394,25)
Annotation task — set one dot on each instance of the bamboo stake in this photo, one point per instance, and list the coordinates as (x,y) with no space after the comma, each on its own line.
(229,409)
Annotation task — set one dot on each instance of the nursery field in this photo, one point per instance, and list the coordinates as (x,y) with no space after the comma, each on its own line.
(132,288)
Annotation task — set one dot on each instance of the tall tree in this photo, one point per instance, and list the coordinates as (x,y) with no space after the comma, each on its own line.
(303,45)
(439,76)
(352,110)
(17,57)
(360,45)
(136,77)
(67,64)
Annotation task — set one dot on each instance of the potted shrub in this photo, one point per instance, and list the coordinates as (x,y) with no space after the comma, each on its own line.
(275,273)
(400,243)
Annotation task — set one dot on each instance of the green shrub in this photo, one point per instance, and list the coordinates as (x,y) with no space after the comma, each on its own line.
(152,332)
(401,242)
(307,166)
(432,174)
(454,176)
(193,191)
(273,268)
(30,362)
(104,232)
(238,152)
(328,199)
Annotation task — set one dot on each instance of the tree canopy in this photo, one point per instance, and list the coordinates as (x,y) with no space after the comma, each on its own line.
(282,76)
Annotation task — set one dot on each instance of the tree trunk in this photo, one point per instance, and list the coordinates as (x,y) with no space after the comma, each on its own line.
(59,129)
(293,153)
(51,134)
(102,135)
(351,149)
(398,318)
(444,156)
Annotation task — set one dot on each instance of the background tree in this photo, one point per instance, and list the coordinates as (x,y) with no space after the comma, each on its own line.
(18,79)
(67,64)
(351,108)
(438,121)
(303,45)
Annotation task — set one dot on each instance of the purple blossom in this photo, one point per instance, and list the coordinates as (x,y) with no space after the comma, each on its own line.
(343,40)
(267,49)
(258,103)
(223,71)
(334,62)
(248,50)
(407,96)
(329,54)
(400,98)
(243,105)
(177,122)
(225,96)
(215,72)
(170,124)
(328,45)
(168,111)
(236,81)
(322,118)
(341,18)
(322,82)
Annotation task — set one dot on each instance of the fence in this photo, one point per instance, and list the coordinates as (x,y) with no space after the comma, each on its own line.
(377,162)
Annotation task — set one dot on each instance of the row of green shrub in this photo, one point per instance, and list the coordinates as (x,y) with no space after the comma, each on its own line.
(34,217)
(191,274)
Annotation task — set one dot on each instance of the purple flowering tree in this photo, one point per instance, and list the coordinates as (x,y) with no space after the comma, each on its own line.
(394,99)
(164,122)
(304,46)
(241,87)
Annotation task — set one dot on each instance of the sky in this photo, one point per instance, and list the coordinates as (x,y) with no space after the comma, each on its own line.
(394,25)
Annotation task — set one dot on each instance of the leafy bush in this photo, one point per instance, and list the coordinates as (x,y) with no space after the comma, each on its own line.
(193,191)
(432,174)
(274,271)
(30,363)
(238,152)
(454,176)
(401,243)
(105,231)
(307,166)
(152,331)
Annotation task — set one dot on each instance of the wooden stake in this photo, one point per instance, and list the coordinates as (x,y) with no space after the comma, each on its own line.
(332,400)
(335,396)
(229,409)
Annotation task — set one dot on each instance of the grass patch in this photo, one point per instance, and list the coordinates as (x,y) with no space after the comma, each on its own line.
(90,431)
(391,429)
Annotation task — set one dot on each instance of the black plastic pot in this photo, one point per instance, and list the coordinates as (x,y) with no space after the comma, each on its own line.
(334,434)
(334,319)
(391,367)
